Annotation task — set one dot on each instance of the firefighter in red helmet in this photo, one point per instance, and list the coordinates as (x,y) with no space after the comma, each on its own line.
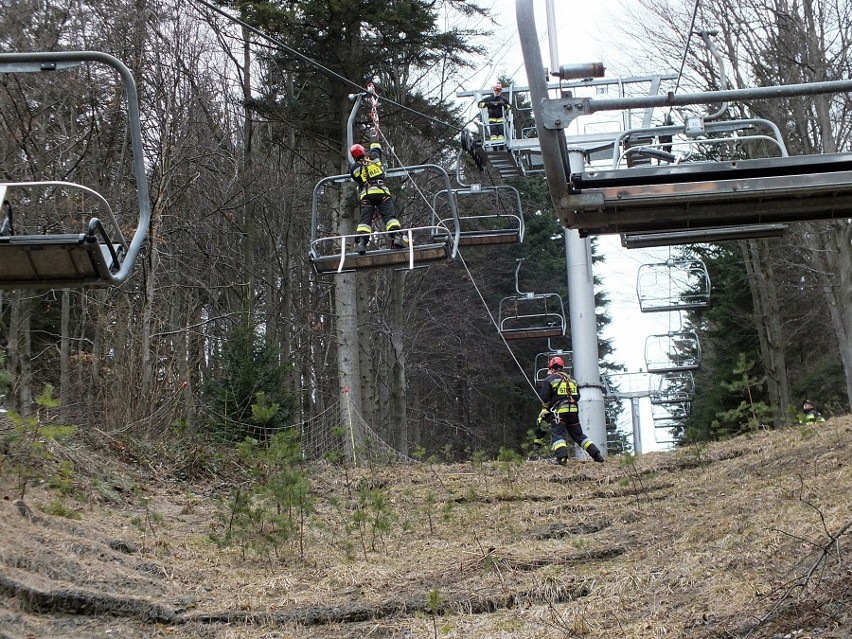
(559,398)
(368,173)
(497,106)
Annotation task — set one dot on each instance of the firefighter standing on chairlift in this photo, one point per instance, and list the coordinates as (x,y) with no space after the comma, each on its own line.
(497,106)
(559,397)
(368,172)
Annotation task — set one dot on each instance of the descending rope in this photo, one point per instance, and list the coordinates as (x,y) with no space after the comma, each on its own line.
(686,47)
(494,323)
(374,105)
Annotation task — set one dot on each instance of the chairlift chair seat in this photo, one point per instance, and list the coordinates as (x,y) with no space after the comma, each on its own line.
(400,259)
(57,261)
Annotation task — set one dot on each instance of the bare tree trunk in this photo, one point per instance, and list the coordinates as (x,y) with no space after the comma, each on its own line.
(249,211)
(20,354)
(348,365)
(767,323)
(64,355)
(368,352)
(831,252)
(398,419)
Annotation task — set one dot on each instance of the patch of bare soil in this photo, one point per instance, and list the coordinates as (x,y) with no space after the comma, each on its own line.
(746,538)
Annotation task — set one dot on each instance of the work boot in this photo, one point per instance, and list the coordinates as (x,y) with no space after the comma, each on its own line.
(361,245)
(398,241)
(595,453)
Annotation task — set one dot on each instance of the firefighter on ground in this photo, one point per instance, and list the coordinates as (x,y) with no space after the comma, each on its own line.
(810,415)
(368,173)
(559,397)
(497,105)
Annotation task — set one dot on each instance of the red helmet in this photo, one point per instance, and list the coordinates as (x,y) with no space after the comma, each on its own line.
(554,362)
(498,88)
(357,151)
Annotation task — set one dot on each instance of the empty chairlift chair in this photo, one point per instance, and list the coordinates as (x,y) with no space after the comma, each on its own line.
(672,352)
(671,388)
(673,285)
(487,215)
(531,315)
(97,254)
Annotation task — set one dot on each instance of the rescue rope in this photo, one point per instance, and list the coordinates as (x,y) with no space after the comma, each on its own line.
(494,323)
(374,117)
(374,106)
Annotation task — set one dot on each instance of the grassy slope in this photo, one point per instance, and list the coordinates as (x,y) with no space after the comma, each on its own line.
(742,538)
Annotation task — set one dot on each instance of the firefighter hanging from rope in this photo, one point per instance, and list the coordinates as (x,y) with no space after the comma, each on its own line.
(368,173)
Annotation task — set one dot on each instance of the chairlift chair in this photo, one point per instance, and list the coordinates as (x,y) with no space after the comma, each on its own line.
(331,252)
(671,352)
(98,254)
(679,196)
(531,315)
(673,285)
(336,253)
(486,227)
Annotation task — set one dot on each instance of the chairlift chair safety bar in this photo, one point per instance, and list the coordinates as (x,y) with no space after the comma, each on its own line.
(671,388)
(718,126)
(331,254)
(540,370)
(108,265)
(773,190)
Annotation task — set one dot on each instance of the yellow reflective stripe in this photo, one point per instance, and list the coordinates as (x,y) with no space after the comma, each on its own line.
(559,443)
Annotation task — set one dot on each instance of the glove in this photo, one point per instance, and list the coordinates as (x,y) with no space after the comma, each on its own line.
(481,104)
(374,134)
(543,416)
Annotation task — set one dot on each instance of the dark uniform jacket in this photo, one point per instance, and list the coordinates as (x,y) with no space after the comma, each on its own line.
(495,105)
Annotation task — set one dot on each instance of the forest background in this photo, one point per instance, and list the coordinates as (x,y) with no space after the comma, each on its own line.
(225,331)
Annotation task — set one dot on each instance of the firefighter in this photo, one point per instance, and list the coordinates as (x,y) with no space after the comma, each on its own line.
(810,414)
(497,106)
(559,397)
(369,174)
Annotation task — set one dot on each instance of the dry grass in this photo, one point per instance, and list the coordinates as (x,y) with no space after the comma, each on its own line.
(747,538)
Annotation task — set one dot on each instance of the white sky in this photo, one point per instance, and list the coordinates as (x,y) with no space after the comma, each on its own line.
(588,32)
